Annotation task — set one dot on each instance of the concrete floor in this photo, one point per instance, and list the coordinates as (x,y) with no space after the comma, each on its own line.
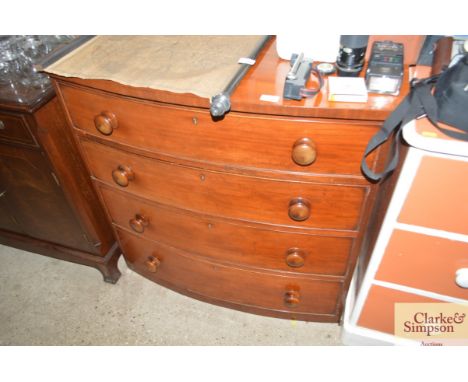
(44,301)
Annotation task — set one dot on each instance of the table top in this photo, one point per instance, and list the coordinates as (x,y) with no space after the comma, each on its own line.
(22,98)
(266,77)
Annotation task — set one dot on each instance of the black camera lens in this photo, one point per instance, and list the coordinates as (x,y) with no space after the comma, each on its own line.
(350,60)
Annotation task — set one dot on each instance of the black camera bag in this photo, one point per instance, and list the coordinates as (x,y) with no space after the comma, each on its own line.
(448,105)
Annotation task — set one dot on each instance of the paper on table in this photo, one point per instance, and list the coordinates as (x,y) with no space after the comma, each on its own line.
(347,89)
(202,65)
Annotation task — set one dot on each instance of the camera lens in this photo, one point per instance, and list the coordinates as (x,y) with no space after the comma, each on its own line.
(350,58)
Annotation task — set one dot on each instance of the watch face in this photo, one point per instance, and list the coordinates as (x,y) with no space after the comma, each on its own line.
(326,68)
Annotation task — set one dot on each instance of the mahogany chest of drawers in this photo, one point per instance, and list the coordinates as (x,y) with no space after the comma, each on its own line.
(263,211)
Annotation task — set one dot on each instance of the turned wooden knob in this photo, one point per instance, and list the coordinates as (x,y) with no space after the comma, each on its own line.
(304,152)
(105,122)
(295,257)
(122,175)
(152,264)
(291,298)
(299,209)
(138,223)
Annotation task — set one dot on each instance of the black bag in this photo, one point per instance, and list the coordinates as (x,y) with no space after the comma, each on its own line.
(448,105)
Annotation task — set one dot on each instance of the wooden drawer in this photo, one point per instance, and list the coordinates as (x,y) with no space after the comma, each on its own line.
(14,128)
(378,312)
(190,275)
(229,241)
(242,140)
(228,195)
(438,197)
(424,262)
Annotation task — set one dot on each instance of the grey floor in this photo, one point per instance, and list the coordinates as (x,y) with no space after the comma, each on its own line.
(44,301)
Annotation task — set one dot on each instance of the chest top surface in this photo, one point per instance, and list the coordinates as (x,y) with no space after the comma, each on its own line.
(266,77)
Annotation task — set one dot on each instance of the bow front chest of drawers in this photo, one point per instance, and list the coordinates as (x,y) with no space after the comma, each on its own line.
(263,211)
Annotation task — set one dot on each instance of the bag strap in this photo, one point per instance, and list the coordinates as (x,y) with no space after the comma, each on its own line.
(418,102)
(409,109)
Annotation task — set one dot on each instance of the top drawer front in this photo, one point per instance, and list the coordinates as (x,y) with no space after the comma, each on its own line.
(438,197)
(223,194)
(13,128)
(239,140)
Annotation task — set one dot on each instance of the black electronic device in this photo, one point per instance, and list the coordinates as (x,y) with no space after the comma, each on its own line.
(297,77)
(385,70)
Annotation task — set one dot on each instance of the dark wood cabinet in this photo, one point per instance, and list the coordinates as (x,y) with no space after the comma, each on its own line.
(7,219)
(47,204)
(36,200)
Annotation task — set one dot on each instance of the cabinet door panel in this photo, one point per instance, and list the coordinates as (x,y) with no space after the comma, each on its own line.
(35,198)
(7,220)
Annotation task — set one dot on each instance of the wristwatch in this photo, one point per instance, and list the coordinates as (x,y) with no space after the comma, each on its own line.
(326,68)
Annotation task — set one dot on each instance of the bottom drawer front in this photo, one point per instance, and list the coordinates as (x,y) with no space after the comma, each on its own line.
(378,312)
(229,242)
(190,275)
